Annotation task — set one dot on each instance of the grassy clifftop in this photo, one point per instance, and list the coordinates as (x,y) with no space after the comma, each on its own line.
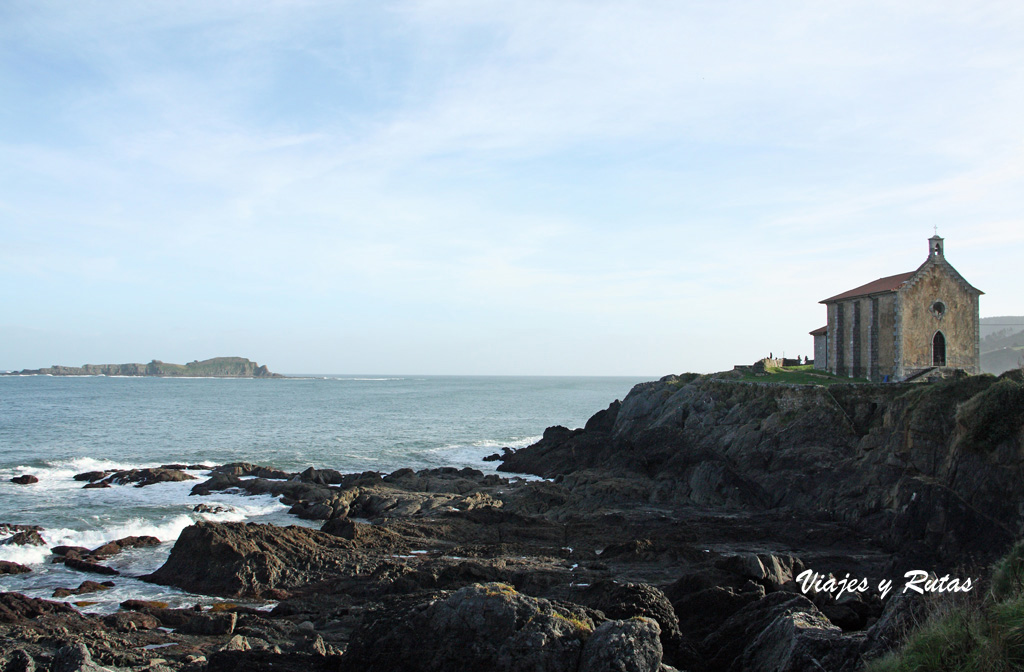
(804,374)
(985,634)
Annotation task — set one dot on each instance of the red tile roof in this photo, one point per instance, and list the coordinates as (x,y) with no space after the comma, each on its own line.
(820,330)
(880,286)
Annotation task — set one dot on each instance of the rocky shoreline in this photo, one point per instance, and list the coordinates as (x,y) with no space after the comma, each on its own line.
(668,533)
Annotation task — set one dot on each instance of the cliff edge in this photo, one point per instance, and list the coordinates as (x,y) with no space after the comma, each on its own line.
(932,472)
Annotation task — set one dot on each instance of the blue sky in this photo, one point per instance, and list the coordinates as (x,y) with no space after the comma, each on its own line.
(476,187)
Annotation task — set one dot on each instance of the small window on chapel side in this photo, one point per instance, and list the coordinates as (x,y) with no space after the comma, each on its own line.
(939,308)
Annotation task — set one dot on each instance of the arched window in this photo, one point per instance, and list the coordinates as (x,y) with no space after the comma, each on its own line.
(938,349)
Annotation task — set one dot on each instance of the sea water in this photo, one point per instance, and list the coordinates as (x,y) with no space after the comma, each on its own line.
(57,427)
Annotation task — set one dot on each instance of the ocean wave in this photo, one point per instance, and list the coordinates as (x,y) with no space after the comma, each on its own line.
(515,442)
(61,472)
(25,555)
(135,527)
(520,442)
(164,525)
(236,511)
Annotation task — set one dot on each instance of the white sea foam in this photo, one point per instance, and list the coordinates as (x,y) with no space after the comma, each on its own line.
(24,555)
(514,442)
(520,442)
(472,454)
(91,538)
(56,472)
(241,507)
(159,501)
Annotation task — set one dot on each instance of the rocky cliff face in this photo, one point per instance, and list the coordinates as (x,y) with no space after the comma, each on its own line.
(932,471)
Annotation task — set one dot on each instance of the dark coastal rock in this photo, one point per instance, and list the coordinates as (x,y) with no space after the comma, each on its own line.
(143,605)
(847,618)
(247,469)
(131,621)
(312,510)
(8,567)
(73,551)
(8,528)
(911,466)
(549,457)
(25,479)
(76,657)
(541,498)
(623,646)
(293,490)
(383,501)
(97,484)
(19,660)
(15,607)
(93,475)
(144,477)
(343,527)
(364,536)
(83,588)
(794,622)
(189,467)
(211,508)
(210,624)
(86,560)
(24,538)
(88,566)
(704,611)
(444,479)
(321,476)
(270,661)
(480,627)
(185,621)
(216,482)
(802,642)
(628,600)
(402,494)
(236,559)
(604,421)
(114,547)
(771,571)
(902,613)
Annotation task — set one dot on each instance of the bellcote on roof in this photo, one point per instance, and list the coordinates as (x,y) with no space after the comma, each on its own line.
(893,283)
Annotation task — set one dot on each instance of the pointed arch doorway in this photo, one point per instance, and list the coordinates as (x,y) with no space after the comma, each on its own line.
(938,349)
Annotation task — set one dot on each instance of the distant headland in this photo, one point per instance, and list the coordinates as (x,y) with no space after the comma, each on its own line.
(218,367)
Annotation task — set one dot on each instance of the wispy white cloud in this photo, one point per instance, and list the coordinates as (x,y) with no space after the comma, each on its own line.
(616,167)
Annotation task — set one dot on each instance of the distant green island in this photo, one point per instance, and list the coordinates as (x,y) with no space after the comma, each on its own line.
(218,367)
